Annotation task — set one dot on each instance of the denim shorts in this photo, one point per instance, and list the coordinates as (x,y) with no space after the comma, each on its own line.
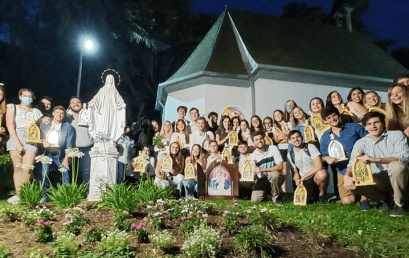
(21,135)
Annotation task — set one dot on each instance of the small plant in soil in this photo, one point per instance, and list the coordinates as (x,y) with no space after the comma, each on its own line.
(75,219)
(203,242)
(65,245)
(149,192)
(262,215)
(30,194)
(94,234)
(252,238)
(31,217)
(190,224)
(140,232)
(116,244)
(122,221)
(43,231)
(230,223)
(13,212)
(121,197)
(162,239)
(4,250)
(35,252)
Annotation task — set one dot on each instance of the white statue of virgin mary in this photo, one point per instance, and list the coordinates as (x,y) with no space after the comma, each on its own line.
(107,110)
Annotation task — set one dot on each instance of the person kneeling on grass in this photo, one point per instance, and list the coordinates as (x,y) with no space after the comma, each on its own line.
(245,187)
(388,154)
(268,169)
(306,166)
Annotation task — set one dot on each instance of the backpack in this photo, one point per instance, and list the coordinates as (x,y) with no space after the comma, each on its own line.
(306,150)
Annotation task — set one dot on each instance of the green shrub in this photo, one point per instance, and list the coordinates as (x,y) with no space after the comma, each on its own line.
(149,192)
(264,216)
(44,231)
(230,223)
(122,221)
(203,242)
(30,194)
(254,236)
(116,243)
(75,220)
(65,245)
(162,239)
(12,211)
(4,250)
(94,234)
(190,224)
(65,196)
(31,217)
(122,197)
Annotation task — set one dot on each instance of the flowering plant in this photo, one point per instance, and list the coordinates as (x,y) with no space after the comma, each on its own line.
(94,234)
(74,153)
(140,232)
(44,231)
(43,159)
(190,224)
(157,140)
(162,239)
(75,220)
(121,221)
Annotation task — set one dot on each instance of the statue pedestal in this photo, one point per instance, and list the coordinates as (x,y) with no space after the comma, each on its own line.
(104,169)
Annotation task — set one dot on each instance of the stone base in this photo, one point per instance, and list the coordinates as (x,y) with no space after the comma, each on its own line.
(104,169)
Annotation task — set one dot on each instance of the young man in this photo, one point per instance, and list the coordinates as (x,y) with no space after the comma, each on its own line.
(194,115)
(55,147)
(268,166)
(213,126)
(347,135)
(306,166)
(388,154)
(83,140)
(213,151)
(149,167)
(245,187)
(201,133)
(182,110)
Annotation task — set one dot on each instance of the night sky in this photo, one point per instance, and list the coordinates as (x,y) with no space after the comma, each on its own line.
(387,19)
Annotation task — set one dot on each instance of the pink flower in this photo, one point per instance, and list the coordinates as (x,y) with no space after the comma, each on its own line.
(248,211)
(183,218)
(144,229)
(133,226)
(189,217)
(40,220)
(126,212)
(236,204)
(45,223)
(90,228)
(223,228)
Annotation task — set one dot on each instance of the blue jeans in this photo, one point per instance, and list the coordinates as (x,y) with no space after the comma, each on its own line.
(46,170)
(190,186)
(85,164)
(120,174)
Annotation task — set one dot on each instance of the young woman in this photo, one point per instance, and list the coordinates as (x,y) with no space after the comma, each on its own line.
(356,104)
(126,151)
(197,159)
(244,131)
(166,134)
(18,118)
(154,130)
(222,134)
(335,99)
(316,105)
(268,125)
(236,123)
(280,134)
(301,119)
(372,100)
(182,133)
(288,114)
(397,109)
(175,176)
(256,125)
(2,116)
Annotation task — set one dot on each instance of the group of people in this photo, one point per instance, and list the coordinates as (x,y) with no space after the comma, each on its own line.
(377,132)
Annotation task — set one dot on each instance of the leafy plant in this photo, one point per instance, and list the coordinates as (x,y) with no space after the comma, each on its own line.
(30,194)
(254,236)
(140,232)
(4,250)
(65,196)
(94,234)
(35,252)
(116,243)
(122,197)
(230,223)
(12,211)
(75,220)
(263,216)
(44,231)
(203,242)
(149,192)
(162,239)
(65,245)
(31,217)
(121,221)
(189,224)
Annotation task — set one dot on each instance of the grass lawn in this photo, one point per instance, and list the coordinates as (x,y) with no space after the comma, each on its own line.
(372,233)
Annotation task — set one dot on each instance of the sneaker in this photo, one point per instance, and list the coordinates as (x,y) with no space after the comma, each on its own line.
(383,206)
(44,199)
(397,211)
(13,200)
(323,200)
(278,201)
(364,205)
(334,199)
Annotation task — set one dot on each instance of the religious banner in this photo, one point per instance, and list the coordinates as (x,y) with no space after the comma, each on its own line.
(362,172)
(300,195)
(33,133)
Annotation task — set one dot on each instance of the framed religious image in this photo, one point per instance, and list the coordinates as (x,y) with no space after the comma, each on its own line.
(336,149)
(309,134)
(268,140)
(375,109)
(181,145)
(362,172)
(300,195)
(222,181)
(162,174)
(233,138)
(318,123)
(33,133)
(226,111)
(52,137)
(345,110)
(139,164)
(226,154)
(190,171)
(83,116)
(167,164)
(247,171)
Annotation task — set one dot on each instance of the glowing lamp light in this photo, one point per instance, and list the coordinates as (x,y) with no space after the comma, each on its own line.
(89,45)
(52,138)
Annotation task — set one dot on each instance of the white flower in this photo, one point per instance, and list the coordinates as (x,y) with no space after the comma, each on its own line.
(43,159)
(148,206)
(157,214)
(74,152)
(205,215)
(78,209)
(62,169)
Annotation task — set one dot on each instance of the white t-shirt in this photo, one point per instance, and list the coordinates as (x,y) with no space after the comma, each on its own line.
(196,138)
(23,118)
(303,162)
(267,159)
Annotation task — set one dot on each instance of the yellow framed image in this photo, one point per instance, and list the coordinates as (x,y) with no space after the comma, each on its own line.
(233,138)
(362,172)
(190,171)
(300,195)
(309,134)
(336,149)
(167,164)
(268,140)
(226,111)
(226,154)
(375,109)
(318,123)
(33,133)
(139,164)
(181,145)
(345,110)
(247,171)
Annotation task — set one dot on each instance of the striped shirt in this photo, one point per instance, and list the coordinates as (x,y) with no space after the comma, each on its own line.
(268,159)
(389,144)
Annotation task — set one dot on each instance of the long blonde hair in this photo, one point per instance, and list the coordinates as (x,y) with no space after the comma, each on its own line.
(185,131)
(396,115)
(380,105)
(162,130)
(3,101)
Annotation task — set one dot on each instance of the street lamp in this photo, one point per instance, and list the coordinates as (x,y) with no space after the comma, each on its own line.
(88,45)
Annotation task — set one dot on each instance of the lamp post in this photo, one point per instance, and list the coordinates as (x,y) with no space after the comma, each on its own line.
(88,45)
